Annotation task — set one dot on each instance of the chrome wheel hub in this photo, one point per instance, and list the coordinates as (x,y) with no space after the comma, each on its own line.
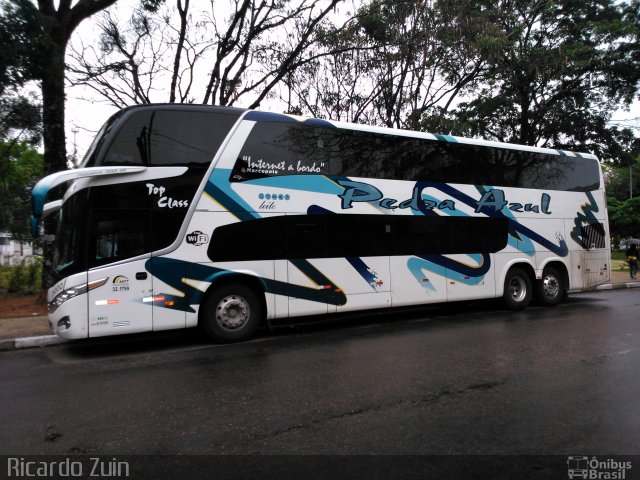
(233,312)
(518,289)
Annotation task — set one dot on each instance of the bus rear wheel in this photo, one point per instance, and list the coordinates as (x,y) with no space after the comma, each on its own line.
(550,290)
(517,289)
(231,313)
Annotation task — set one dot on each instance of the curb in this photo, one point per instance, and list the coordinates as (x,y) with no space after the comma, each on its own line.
(30,342)
(44,340)
(615,286)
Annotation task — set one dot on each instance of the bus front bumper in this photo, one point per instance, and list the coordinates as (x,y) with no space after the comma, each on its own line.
(68,320)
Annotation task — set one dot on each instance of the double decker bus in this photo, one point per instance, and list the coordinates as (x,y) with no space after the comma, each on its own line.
(186,215)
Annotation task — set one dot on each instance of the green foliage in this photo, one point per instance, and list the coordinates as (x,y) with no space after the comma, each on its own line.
(25,278)
(24,43)
(564,66)
(536,72)
(20,119)
(34,37)
(619,185)
(20,168)
(624,217)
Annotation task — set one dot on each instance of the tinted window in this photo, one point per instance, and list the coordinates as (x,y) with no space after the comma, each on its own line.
(306,236)
(91,157)
(170,199)
(117,235)
(130,145)
(183,137)
(169,137)
(422,235)
(68,253)
(359,235)
(426,160)
(449,235)
(262,239)
(363,154)
(335,236)
(121,196)
(274,149)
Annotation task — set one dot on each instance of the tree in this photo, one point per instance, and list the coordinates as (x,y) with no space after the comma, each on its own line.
(624,217)
(623,182)
(400,64)
(20,167)
(38,37)
(564,67)
(20,119)
(240,54)
(20,132)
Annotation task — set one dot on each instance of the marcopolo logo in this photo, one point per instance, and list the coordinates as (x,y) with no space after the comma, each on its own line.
(597,469)
(197,238)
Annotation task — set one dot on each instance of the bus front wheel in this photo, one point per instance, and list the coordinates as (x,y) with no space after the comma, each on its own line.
(550,290)
(231,313)
(517,289)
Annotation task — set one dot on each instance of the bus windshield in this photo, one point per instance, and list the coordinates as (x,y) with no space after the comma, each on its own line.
(89,158)
(67,258)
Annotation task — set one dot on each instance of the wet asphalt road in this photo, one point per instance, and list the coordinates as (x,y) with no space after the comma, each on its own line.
(461,379)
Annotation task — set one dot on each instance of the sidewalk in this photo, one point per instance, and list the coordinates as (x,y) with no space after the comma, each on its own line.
(34,331)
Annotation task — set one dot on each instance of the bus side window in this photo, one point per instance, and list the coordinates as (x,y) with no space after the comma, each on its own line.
(117,235)
(306,236)
(180,137)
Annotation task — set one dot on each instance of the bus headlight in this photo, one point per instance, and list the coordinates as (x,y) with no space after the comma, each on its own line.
(74,292)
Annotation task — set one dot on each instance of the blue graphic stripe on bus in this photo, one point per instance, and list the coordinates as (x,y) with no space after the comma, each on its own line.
(218,188)
(462,272)
(307,183)
(517,241)
(174,272)
(282,118)
(561,249)
(449,269)
(446,138)
(587,216)
(417,265)
(365,272)
(328,291)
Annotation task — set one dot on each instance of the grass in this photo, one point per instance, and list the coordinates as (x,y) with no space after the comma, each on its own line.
(618,261)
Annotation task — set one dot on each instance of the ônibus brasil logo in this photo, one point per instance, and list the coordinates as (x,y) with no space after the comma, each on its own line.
(593,468)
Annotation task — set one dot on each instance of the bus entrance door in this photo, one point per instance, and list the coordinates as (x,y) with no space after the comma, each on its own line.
(123,303)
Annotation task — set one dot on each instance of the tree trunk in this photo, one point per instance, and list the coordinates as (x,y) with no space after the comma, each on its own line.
(55,151)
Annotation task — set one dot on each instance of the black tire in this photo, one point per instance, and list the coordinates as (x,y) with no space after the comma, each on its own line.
(231,313)
(517,289)
(551,289)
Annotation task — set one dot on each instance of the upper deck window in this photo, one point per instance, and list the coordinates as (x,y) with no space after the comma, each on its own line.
(166,137)
(278,149)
